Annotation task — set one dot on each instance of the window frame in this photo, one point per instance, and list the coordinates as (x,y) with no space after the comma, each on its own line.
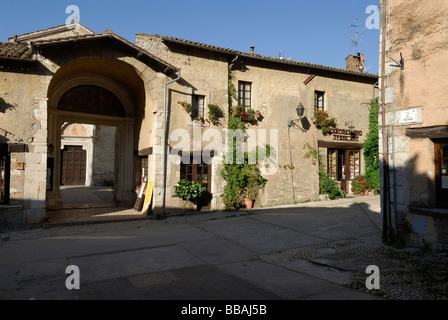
(317,95)
(195,107)
(242,94)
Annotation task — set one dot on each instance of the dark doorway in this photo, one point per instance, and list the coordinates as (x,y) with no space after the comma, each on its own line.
(5,169)
(441,172)
(73,169)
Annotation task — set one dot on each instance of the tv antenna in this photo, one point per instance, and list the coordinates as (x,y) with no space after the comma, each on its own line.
(357,34)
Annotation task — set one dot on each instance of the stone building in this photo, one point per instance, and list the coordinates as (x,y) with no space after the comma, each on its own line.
(59,84)
(414,118)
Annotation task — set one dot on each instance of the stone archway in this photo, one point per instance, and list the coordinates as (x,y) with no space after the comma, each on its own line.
(95,100)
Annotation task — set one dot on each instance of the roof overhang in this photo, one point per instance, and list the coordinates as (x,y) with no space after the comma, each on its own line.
(135,51)
(266,58)
(434,132)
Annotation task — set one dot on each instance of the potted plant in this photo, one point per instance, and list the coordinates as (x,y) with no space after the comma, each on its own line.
(253,182)
(246,116)
(359,185)
(189,190)
(214,112)
(257,113)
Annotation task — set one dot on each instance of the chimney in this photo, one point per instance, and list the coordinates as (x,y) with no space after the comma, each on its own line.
(252,50)
(355,63)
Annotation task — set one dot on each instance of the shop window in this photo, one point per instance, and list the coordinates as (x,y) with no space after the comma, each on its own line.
(332,164)
(319,100)
(354,164)
(245,94)
(344,165)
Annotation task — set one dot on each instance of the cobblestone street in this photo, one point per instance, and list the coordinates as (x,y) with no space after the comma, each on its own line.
(405,273)
(309,251)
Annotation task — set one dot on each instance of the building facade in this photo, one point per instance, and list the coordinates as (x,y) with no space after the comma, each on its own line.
(413,120)
(61,82)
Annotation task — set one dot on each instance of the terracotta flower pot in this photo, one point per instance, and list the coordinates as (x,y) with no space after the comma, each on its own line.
(248,203)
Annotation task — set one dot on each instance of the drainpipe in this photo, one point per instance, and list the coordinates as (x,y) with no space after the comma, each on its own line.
(230,67)
(385,187)
(165,155)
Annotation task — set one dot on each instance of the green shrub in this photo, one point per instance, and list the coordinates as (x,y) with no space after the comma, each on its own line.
(329,186)
(189,190)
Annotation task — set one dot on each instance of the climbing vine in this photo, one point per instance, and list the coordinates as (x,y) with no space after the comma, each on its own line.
(371,150)
(242,176)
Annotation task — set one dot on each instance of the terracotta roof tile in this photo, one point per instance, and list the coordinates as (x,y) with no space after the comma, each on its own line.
(15,50)
(257,56)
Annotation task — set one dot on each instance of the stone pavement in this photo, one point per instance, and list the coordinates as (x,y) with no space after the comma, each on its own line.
(310,251)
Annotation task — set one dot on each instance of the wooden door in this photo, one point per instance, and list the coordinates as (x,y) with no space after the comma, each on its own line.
(441,173)
(73,166)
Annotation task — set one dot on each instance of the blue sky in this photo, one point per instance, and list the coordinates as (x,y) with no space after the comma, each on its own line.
(311,31)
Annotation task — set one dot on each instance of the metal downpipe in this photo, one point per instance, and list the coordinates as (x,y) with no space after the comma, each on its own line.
(165,154)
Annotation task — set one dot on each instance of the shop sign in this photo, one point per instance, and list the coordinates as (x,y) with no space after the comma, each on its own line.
(345,135)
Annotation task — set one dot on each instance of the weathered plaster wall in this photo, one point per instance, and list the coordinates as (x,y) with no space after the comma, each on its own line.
(23,119)
(417,31)
(276,92)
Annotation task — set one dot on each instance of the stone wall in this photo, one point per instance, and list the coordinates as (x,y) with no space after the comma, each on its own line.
(277,90)
(104,156)
(415,32)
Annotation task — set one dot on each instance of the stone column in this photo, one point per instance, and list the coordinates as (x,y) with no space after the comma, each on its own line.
(36,167)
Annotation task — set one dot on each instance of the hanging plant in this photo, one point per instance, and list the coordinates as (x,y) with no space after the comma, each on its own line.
(323,122)
(214,112)
(198,118)
(185,105)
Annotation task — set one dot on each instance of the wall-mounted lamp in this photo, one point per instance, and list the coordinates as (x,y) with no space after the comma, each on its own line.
(50,149)
(351,128)
(300,110)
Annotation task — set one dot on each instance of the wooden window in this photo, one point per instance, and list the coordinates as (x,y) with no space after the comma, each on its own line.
(244,94)
(319,100)
(354,164)
(200,173)
(332,163)
(197,107)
